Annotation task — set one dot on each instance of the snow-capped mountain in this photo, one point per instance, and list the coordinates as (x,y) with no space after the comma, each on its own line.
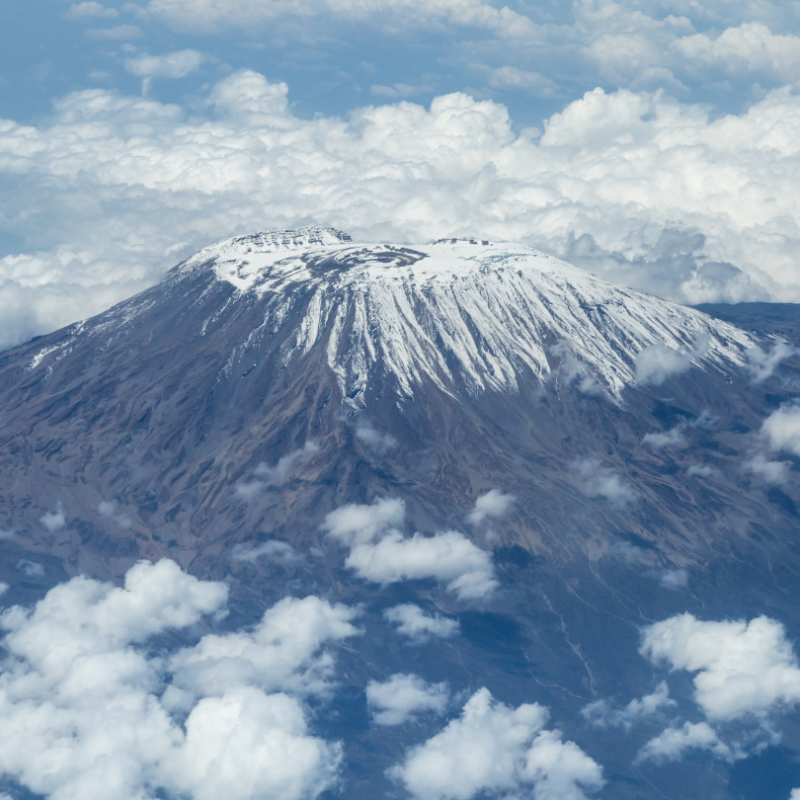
(540,464)
(466,313)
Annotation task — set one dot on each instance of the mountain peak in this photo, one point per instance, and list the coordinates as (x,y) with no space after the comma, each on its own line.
(468,314)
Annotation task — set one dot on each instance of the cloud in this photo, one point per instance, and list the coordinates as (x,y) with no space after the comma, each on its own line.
(653,217)
(448,558)
(599,481)
(403,697)
(107,508)
(82,693)
(514,78)
(671,744)
(671,438)
(277,475)
(170,65)
(601,714)
(7,533)
(286,464)
(90,9)
(780,432)
(702,470)
(273,550)
(497,750)
(359,524)
(54,520)
(418,626)
(742,669)
(492,505)
(31,569)
(762,364)
(656,363)
(116,34)
(674,578)
(379,443)
(571,371)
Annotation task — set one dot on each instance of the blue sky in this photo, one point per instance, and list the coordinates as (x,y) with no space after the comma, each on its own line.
(654,143)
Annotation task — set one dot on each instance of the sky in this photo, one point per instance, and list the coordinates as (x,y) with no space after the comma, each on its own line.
(656,144)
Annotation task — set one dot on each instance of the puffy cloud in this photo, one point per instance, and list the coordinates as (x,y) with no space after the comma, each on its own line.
(702,470)
(762,364)
(108,508)
(418,626)
(673,578)
(54,520)
(599,481)
(500,751)
(30,569)
(671,438)
(743,669)
(82,695)
(492,505)
(286,464)
(780,432)
(273,550)
(571,371)
(402,697)
(359,524)
(671,744)
(449,557)
(656,363)
(379,443)
(634,187)
(601,714)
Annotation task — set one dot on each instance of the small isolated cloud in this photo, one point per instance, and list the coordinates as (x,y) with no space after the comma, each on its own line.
(656,363)
(495,750)
(108,508)
(403,697)
(170,65)
(571,371)
(395,91)
(671,744)
(448,558)
(418,626)
(672,438)
(83,694)
(602,715)
(379,443)
(285,467)
(599,481)
(492,505)
(7,533)
(273,550)
(91,9)
(701,470)
(54,520)
(780,433)
(762,365)
(30,569)
(116,34)
(3,587)
(743,669)
(673,578)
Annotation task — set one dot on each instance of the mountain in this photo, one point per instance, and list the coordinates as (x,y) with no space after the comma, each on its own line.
(601,450)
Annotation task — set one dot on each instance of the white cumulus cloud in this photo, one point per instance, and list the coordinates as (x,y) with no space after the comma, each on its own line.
(741,669)
(498,751)
(492,505)
(602,714)
(672,743)
(380,553)
(418,626)
(81,694)
(403,697)
(672,438)
(599,481)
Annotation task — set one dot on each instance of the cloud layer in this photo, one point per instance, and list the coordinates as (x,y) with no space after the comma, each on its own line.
(631,185)
(87,711)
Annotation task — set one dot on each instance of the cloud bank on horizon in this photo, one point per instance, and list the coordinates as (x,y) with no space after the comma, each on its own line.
(665,154)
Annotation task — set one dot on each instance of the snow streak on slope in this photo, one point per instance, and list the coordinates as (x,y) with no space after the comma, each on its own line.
(467,314)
